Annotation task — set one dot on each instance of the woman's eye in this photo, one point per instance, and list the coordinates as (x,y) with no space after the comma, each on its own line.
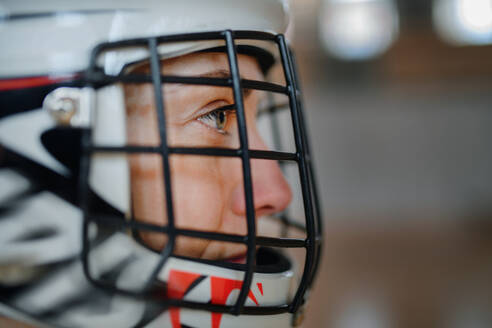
(217,118)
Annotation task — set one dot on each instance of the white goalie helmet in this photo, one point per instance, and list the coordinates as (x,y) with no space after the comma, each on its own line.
(116,208)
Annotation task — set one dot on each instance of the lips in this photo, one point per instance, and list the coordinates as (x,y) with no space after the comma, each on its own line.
(241,259)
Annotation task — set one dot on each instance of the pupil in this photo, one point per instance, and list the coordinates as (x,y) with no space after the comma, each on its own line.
(221,120)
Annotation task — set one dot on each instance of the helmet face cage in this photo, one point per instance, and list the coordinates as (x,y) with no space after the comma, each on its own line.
(301,157)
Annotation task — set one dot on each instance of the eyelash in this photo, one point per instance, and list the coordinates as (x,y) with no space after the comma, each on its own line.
(210,118)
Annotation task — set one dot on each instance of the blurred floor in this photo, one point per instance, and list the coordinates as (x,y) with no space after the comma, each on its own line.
(416,274)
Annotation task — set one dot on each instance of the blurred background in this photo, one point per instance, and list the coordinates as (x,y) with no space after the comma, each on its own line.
(398,100)
(399,107)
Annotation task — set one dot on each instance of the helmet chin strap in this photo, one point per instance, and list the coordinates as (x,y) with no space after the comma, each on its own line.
(195,281)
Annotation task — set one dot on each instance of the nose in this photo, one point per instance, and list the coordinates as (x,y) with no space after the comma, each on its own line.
(271,191)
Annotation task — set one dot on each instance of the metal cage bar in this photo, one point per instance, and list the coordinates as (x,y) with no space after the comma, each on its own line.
(200,151)
(311,176)
(192,80)
(306,192)
(116,221)
(248,185)
(155,66)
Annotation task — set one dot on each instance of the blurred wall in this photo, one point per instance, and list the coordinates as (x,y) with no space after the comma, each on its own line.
(389,135)
(402,145)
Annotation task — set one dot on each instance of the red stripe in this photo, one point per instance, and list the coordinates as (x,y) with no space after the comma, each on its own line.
(30,82)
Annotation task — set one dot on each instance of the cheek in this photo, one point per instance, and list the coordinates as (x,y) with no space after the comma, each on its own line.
(199,194)
(147,190)
(147,193)
(197,199)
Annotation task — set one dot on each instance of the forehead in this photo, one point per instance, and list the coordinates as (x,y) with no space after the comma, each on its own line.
(204,63)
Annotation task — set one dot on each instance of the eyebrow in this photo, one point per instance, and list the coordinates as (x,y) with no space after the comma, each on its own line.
(218,73)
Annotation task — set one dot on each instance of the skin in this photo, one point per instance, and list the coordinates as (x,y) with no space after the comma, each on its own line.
(208,191)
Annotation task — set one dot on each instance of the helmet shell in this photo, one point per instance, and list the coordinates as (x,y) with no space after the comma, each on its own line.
(54,37)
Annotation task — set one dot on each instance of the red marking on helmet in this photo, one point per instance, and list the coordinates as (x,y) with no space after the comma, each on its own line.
(260,287)
(31,82)
(178,284)
(221,289)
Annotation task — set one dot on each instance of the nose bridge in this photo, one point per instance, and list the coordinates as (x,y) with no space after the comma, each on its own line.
(271,190)
(255,139)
